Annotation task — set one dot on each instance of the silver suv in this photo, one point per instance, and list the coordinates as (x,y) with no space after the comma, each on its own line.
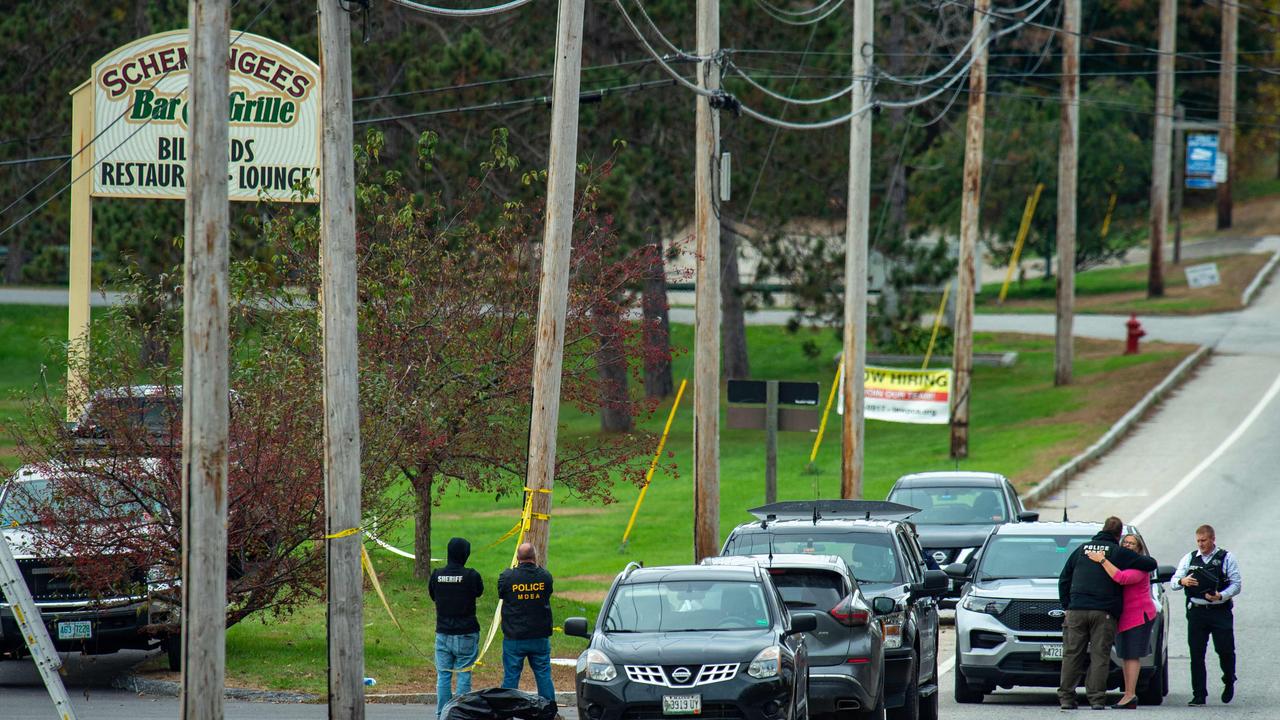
(1009,619)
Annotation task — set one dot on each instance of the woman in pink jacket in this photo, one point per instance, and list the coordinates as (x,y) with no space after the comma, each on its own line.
(1136,620)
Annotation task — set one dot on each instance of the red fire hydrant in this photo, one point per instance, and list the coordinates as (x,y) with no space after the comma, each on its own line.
(1135,332)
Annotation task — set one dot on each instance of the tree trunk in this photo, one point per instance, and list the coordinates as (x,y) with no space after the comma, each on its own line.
(658,382)
(13,265)
(733,324)
(611,363)
(421,482)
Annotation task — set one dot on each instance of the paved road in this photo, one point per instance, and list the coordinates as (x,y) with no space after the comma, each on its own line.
(1207,455)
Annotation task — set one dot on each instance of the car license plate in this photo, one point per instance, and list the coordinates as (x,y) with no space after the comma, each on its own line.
(1051,651)
(681,704)
(75,630)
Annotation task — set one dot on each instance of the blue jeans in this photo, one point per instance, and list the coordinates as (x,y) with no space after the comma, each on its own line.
(538,651)
(454,652)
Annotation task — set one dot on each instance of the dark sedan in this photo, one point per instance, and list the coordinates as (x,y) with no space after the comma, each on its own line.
(958,510)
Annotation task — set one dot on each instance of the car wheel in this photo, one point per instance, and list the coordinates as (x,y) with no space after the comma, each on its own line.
(963,693)
(173,649)
(910,709)
(1153,692)
(929,705)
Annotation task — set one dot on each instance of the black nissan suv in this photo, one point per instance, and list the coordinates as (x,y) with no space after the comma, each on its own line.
(710,642)
(881,548)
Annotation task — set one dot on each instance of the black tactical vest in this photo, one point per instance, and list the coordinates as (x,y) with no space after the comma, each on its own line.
(1212,574)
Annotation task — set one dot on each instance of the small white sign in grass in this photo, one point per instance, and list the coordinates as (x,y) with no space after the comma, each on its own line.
(1204,275)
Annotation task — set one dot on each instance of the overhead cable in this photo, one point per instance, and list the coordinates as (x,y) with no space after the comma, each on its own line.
(461,12)
(827,9)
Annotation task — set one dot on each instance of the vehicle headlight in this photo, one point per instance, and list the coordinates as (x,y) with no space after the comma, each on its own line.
(766,663)
(891,630)
(597,666)
(990,606)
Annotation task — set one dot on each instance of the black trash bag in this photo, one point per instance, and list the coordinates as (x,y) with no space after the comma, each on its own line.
(498,704)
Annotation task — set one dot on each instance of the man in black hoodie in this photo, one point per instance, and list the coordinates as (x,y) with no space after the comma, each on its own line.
(1093,602)
(454,588)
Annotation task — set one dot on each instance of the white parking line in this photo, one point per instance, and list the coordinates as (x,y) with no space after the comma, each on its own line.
(949,664)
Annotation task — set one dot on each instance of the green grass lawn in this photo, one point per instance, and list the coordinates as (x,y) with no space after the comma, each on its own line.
(1021,425)
(1124,290)
(29,337)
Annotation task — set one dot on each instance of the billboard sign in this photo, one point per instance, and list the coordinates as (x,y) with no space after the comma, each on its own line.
(140,111)
(1202,161)
(905,396)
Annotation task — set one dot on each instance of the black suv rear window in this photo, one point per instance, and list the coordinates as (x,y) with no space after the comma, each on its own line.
(806,588)
(870,555)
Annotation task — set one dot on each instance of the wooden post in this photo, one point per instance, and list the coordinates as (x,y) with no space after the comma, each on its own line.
(341,389)
(1160,147)
(771,442)
(706,353)
(204,366)
(1179,178)
(1227,108)
(553,291)
(854,353)
(970,206)
(1068,147)
(79,269)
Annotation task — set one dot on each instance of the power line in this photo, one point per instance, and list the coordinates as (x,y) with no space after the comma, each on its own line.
(461,12)
(826,9)
(500,81)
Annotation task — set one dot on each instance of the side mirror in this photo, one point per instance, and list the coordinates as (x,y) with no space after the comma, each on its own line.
(959,571)
(803,623)
(1164,573)
(576,627)
(883,605)
(936,582)
(1028,516)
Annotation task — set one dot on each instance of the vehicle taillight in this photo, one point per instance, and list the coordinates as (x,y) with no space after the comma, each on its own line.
(846,614)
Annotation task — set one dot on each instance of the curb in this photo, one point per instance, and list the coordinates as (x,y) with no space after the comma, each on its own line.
(1259,280)
(167,688)
(1063,473)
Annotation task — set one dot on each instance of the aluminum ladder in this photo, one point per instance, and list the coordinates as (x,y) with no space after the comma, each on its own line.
(31,624)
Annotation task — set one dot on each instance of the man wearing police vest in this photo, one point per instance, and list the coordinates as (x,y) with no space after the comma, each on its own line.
(525,591)
(1210,577)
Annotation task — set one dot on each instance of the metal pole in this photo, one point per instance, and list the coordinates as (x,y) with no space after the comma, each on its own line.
(1160,147)
(854,354)
(1227,108)
(1179,179)
(341,391)
(706,354)
(1068,147)
(771,442)
(204,367)
(969,217)
(553,293)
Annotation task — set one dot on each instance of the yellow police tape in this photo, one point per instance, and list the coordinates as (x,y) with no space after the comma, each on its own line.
(826,412)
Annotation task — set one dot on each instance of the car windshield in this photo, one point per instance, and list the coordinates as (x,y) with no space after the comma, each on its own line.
(1026,556)
(156,414)
(687,606)
(20,501)
(805,588)
(870,555)
(953,505)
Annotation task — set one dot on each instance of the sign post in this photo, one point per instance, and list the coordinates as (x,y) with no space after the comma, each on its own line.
(771,394)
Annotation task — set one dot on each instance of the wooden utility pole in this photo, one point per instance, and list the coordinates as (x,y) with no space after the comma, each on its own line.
(553,288)
(706,341)
(341,389)
(1068,149)
(1179,177)
(1160,147)
(1227,107)
(854,354)
(970,206)
(204,366)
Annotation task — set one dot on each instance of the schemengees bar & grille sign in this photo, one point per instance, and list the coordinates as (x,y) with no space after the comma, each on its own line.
(140,109)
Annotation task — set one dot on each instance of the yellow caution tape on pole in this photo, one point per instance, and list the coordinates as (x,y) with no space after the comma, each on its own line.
(937,322)
(653,464)
(342,533)
(377,586)
(1027,213)
(826,412)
